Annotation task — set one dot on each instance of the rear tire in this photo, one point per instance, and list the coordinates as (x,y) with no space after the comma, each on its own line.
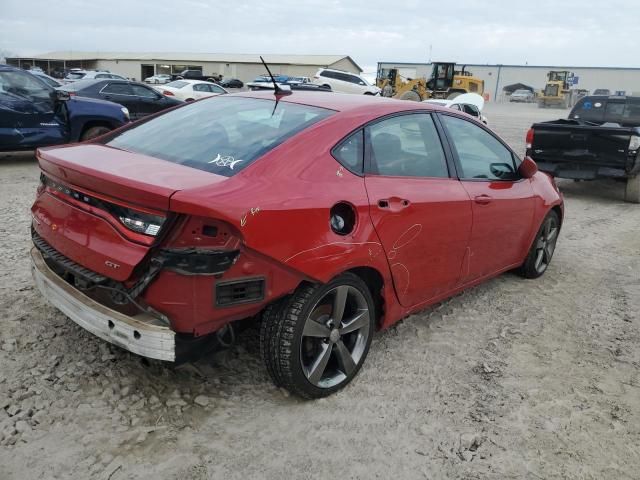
(411,95)
(543,247)
(94,132)
(632,190)
(189,100)
(314,342)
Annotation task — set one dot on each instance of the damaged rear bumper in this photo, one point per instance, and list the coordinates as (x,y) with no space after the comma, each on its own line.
(137,334)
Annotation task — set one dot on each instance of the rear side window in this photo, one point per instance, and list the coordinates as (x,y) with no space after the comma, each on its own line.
(589,109)
(328,74)
(614,111)
(632,112)
(350,152)
(406,146)
(177,84)
(118,89)
(222,135)
(145,92)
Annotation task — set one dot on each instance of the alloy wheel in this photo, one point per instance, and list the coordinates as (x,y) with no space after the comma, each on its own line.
(546,244)
(335,336)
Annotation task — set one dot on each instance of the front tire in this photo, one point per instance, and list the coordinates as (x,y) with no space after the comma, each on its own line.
(632,190)
(94,132)
(411,95)
(314,342)
(541,252)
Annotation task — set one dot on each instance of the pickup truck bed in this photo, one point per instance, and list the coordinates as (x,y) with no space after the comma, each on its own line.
(586,151)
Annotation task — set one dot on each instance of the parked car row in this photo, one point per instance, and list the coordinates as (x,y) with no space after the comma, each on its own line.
(139,99)
(34,114)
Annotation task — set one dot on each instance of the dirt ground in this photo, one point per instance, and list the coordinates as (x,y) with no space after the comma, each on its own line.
(514,379)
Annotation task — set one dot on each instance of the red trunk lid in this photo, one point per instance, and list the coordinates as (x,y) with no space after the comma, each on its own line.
(132,177)
(92,237)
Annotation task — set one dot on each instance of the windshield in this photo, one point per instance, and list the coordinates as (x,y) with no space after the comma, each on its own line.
(521,92)
(221,135)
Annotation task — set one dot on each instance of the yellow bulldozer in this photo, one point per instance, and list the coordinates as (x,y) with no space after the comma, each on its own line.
(557,91)
(445,82)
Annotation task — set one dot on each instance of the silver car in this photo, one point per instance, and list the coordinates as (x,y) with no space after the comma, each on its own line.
(522,96)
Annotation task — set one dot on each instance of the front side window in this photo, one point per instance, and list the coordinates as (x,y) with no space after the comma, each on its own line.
(406,146)
(480,154)
(222,135)
(201,87)
(216,89)
(24,92)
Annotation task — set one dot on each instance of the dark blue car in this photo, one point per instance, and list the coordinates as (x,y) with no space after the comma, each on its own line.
(33,114)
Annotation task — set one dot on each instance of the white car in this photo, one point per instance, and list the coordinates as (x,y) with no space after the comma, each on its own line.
(75,74)
(470,103)
(344,82)
(190,90)
(160,78)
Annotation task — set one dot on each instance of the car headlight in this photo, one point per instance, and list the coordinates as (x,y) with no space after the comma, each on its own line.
(125,110)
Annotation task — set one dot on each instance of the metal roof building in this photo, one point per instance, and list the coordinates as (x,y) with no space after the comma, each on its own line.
(139,65)
(496,77)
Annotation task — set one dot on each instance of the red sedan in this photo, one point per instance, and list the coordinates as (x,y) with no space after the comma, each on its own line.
(324,216)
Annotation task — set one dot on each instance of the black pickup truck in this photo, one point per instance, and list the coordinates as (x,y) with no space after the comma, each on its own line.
(600,139)
(196,75)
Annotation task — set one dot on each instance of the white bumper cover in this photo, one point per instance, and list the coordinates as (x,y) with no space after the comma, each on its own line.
(130,333)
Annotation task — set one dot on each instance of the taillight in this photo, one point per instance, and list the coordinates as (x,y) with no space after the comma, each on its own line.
(168,93)
(529,139)
(138,222)
(634,144)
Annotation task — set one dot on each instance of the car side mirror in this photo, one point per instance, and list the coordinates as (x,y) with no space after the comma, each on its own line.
(62,95)
(528,168)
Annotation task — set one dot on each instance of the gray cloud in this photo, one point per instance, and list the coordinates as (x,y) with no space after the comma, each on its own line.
(545,32)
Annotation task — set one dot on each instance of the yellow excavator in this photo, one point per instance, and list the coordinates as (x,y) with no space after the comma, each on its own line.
(557,91)
(445,82)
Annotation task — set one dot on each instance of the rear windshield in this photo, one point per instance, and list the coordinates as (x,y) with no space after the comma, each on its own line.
(177,84)
(222,135)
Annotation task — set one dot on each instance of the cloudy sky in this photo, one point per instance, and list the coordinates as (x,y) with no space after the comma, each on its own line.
(542,32)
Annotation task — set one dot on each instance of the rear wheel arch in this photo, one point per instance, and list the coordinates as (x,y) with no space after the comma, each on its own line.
(375,283)
(558,211)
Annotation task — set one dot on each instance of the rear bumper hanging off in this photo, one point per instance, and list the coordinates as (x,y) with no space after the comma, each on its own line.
(136,334)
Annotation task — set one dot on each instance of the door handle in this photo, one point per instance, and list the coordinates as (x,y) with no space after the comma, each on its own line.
(393,203)
(483,199)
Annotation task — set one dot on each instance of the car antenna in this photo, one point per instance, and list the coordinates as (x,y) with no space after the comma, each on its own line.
(277,90)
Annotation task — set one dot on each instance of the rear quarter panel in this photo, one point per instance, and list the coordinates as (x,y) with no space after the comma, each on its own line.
(281,205)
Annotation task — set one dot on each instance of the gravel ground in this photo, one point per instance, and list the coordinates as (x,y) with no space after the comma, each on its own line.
(512,379)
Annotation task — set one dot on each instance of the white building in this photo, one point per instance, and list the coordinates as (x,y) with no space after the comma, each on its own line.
(623,80)
(139,65)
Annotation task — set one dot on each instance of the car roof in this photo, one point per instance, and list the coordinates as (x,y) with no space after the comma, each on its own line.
(343,102)
(193,82)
